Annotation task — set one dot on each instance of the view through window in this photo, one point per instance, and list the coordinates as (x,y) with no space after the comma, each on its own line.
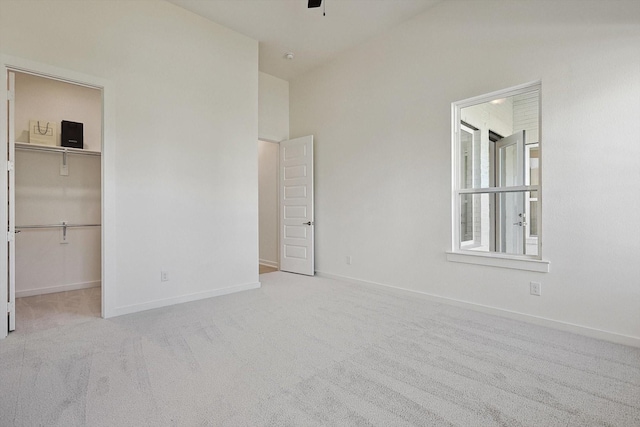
(497,173)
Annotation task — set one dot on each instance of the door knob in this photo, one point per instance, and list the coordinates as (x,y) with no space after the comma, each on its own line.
(307,223)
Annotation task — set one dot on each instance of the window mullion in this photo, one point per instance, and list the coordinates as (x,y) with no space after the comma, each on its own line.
(513,189)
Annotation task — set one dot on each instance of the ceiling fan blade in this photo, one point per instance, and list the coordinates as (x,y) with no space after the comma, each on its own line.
(314,3)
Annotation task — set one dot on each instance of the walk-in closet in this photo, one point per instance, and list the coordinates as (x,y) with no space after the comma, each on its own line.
(55,201)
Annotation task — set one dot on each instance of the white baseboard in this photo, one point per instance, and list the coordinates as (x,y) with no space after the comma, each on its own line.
(542,321)
(134,308)
(268,263)
(59,288)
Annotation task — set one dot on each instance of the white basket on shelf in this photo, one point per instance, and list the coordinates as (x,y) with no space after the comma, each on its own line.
(42,132)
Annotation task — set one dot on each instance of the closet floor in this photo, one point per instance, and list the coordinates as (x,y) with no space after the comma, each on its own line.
(47,311)
(266,269)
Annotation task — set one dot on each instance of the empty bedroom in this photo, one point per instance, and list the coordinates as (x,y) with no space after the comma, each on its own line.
(311,213)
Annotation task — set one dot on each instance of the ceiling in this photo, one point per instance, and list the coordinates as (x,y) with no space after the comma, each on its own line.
(283,26)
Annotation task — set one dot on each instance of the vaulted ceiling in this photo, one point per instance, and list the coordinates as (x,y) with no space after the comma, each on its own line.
(283,26)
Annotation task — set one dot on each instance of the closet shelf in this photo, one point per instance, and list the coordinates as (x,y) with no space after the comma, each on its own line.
(56,149)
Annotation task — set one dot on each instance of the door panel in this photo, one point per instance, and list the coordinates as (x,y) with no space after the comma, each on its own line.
(511,223)
(296,206)
(510,172)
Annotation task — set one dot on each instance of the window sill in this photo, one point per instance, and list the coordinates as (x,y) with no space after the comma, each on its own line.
(540,266)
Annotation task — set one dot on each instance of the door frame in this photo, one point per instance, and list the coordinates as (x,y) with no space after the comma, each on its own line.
(280,205)
(108,205)
(270,141)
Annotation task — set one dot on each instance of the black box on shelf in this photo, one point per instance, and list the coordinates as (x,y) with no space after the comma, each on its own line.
(72,135)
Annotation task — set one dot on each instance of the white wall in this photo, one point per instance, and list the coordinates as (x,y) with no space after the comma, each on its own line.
(381,116)
(185,126)
(268,153)
(273,105)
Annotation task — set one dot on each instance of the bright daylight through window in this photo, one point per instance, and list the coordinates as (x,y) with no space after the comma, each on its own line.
(496,174)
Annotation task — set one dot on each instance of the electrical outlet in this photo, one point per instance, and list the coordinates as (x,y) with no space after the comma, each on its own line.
(535,288)
(164,276)
(349,260)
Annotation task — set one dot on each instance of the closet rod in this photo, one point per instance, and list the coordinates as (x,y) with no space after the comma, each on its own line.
(56,149)
(24,227)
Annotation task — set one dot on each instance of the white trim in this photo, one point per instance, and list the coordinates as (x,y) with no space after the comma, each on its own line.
(488,190)
(11,156)
(473,134)
(59,288)
(273,141)
(4,201)
(273,264)
(135,308)
(523,317)
(503,93)
(500,260)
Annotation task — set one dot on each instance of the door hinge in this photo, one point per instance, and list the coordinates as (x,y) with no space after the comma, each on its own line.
(11,307)
(11,236)
(9,165)
(10,95)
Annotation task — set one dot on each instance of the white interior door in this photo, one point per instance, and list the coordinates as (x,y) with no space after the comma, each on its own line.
(296,206)
(510,172)
(11,229)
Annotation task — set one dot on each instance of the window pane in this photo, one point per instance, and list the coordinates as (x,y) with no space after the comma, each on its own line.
(475,222)
(487,159)
(466,222)
(499,222)
(533,218)
(510,223)
(508,162)
(466,159)
(532,223)
(534,165)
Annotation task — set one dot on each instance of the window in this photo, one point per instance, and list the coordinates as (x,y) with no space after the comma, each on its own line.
(496,200)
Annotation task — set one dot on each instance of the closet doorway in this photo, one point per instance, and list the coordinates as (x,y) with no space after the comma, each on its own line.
(55,201)
(286,209)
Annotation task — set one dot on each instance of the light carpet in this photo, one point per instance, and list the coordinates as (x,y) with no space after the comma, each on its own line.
(305,351)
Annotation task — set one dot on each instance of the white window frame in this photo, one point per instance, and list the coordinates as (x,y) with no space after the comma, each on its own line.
(458,253)
(467,129)
(529,238)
